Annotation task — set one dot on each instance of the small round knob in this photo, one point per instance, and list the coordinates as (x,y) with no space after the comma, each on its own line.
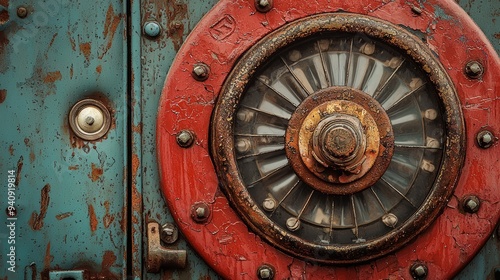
(89,119)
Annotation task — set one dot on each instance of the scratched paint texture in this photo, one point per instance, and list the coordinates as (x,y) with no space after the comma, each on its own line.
(70,193)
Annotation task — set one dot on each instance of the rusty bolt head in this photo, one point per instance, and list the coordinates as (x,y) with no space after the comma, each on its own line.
(22,12)
(485,139)
(185,138)
(200,72)
(263,6)
(471,204)
(474,69)
(200,212)
(419,271)
(265,272)
(169,233)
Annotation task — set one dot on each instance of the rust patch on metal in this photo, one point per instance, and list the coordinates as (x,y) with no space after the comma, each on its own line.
(18,172)
(137,128)
(36,220)
(48,258)
(93,218)
(86,49)
(110,26)
(108,218)
(496,35)
(73,167)
(3,50)
(11,150)
(95,173)
(64,215)
(98,69)
(4,17)
(4,3)
(108,260)
(52,77)
(3,95)
(176,13)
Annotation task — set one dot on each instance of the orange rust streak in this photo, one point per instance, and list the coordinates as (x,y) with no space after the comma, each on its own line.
(108,218)
(85,49)
(110,27)
(96,173)
(51,77)
(4,3)
(93,218)
(36,220)
(4,17)
(11,150)
(73,167)
(48,258)
(72,42)
(98,69)
(32,156)
(64,215)
(108,259)
(3,95)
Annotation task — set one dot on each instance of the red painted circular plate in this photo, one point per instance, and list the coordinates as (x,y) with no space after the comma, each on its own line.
(188,176)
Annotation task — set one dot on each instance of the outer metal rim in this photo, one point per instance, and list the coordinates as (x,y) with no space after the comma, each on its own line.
(222,142)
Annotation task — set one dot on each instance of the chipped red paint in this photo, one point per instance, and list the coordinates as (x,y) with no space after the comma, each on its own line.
(36,220)
(225,242)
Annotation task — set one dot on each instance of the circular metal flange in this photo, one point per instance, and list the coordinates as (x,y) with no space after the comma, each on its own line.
(292,239)
(89,119)
(363,163)
(225,241)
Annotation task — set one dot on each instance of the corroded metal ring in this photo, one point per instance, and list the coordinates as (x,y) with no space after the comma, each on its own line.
(351,174)
(223,140)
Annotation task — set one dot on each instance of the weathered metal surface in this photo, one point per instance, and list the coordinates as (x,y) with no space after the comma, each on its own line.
(69,194)
(186,104)
(151,60)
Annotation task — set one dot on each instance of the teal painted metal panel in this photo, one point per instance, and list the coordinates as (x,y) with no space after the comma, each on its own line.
(70,194)
(486,14)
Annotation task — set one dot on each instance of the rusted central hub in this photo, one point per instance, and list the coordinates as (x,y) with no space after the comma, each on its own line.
(339,143)
(339,140)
